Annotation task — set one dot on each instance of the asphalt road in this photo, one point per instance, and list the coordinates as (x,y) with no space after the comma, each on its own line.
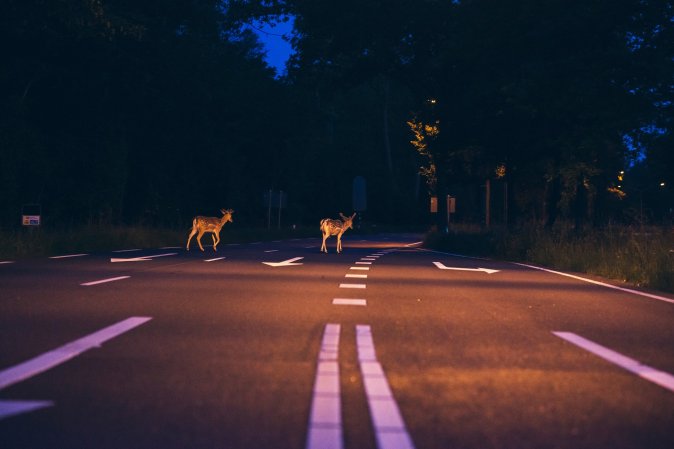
(385,345)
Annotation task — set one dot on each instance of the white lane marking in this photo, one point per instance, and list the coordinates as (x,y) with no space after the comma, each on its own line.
(173,247)
(3,262)
(603,284)
(413,244)
(271,251)
(349,302)
(387,421)
(485,270)
(361,276)
(103,281)
(359,268)
(213,260)
(11,408)
(50,359)
(373,256)
(658,377)
(68,256)
(325,418)
(285,263)
(233,244)
(141,258)
(351,285)
(363,263)
(309,247)
(126,250)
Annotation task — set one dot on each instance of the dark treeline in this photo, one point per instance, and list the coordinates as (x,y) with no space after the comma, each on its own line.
(151,111)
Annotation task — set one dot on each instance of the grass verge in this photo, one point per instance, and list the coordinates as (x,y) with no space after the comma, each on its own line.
(25,243)
(641,257)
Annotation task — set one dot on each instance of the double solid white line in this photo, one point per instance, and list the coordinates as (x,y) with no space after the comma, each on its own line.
(325,420)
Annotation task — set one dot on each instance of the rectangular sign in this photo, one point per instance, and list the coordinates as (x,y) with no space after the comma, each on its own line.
(30,220)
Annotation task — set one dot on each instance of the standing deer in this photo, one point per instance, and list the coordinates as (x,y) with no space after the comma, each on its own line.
(209,224)
(335,227)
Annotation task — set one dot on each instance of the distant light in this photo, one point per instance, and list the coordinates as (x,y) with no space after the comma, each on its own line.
(662,184)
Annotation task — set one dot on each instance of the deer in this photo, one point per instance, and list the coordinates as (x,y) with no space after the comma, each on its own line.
(336,227)
(202,225)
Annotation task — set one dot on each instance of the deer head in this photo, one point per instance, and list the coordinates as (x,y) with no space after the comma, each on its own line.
(227,215)
(348,221)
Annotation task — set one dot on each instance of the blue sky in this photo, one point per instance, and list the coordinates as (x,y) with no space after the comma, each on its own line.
(278,50)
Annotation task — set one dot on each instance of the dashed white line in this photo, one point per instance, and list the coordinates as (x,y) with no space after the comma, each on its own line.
(388,423)
(658,377)
(213,260)
(103,281)
(359,268)
(351,285)
(363,263)
(126,250)
(271,251)
(67,256)
(360,276)
(4,262)
(325,419)
(49,360)
(349,302)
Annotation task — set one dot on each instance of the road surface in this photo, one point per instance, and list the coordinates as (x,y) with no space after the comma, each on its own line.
(276,345)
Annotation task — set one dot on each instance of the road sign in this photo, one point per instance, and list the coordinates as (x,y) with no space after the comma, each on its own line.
(31,215)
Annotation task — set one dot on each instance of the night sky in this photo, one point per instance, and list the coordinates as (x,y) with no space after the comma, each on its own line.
(278,50)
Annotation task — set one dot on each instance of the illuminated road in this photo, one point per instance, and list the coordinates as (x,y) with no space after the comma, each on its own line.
(385,345)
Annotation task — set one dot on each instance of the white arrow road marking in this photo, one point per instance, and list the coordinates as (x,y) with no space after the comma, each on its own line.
(140,259)
(285,263)
(484,270)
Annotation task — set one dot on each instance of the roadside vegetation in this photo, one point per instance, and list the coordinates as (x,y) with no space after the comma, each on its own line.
(642,257)
(25,243)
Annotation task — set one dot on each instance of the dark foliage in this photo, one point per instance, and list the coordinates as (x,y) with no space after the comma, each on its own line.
(119,111)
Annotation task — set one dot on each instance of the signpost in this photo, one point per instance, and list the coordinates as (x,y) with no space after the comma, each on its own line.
(277,200)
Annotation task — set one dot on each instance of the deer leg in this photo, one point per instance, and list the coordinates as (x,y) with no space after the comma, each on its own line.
(339,243)
(199,239)
(215,242)
(323,247)
(194,231)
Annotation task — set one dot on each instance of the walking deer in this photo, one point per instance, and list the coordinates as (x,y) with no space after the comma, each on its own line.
(202,225)
(335,227)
